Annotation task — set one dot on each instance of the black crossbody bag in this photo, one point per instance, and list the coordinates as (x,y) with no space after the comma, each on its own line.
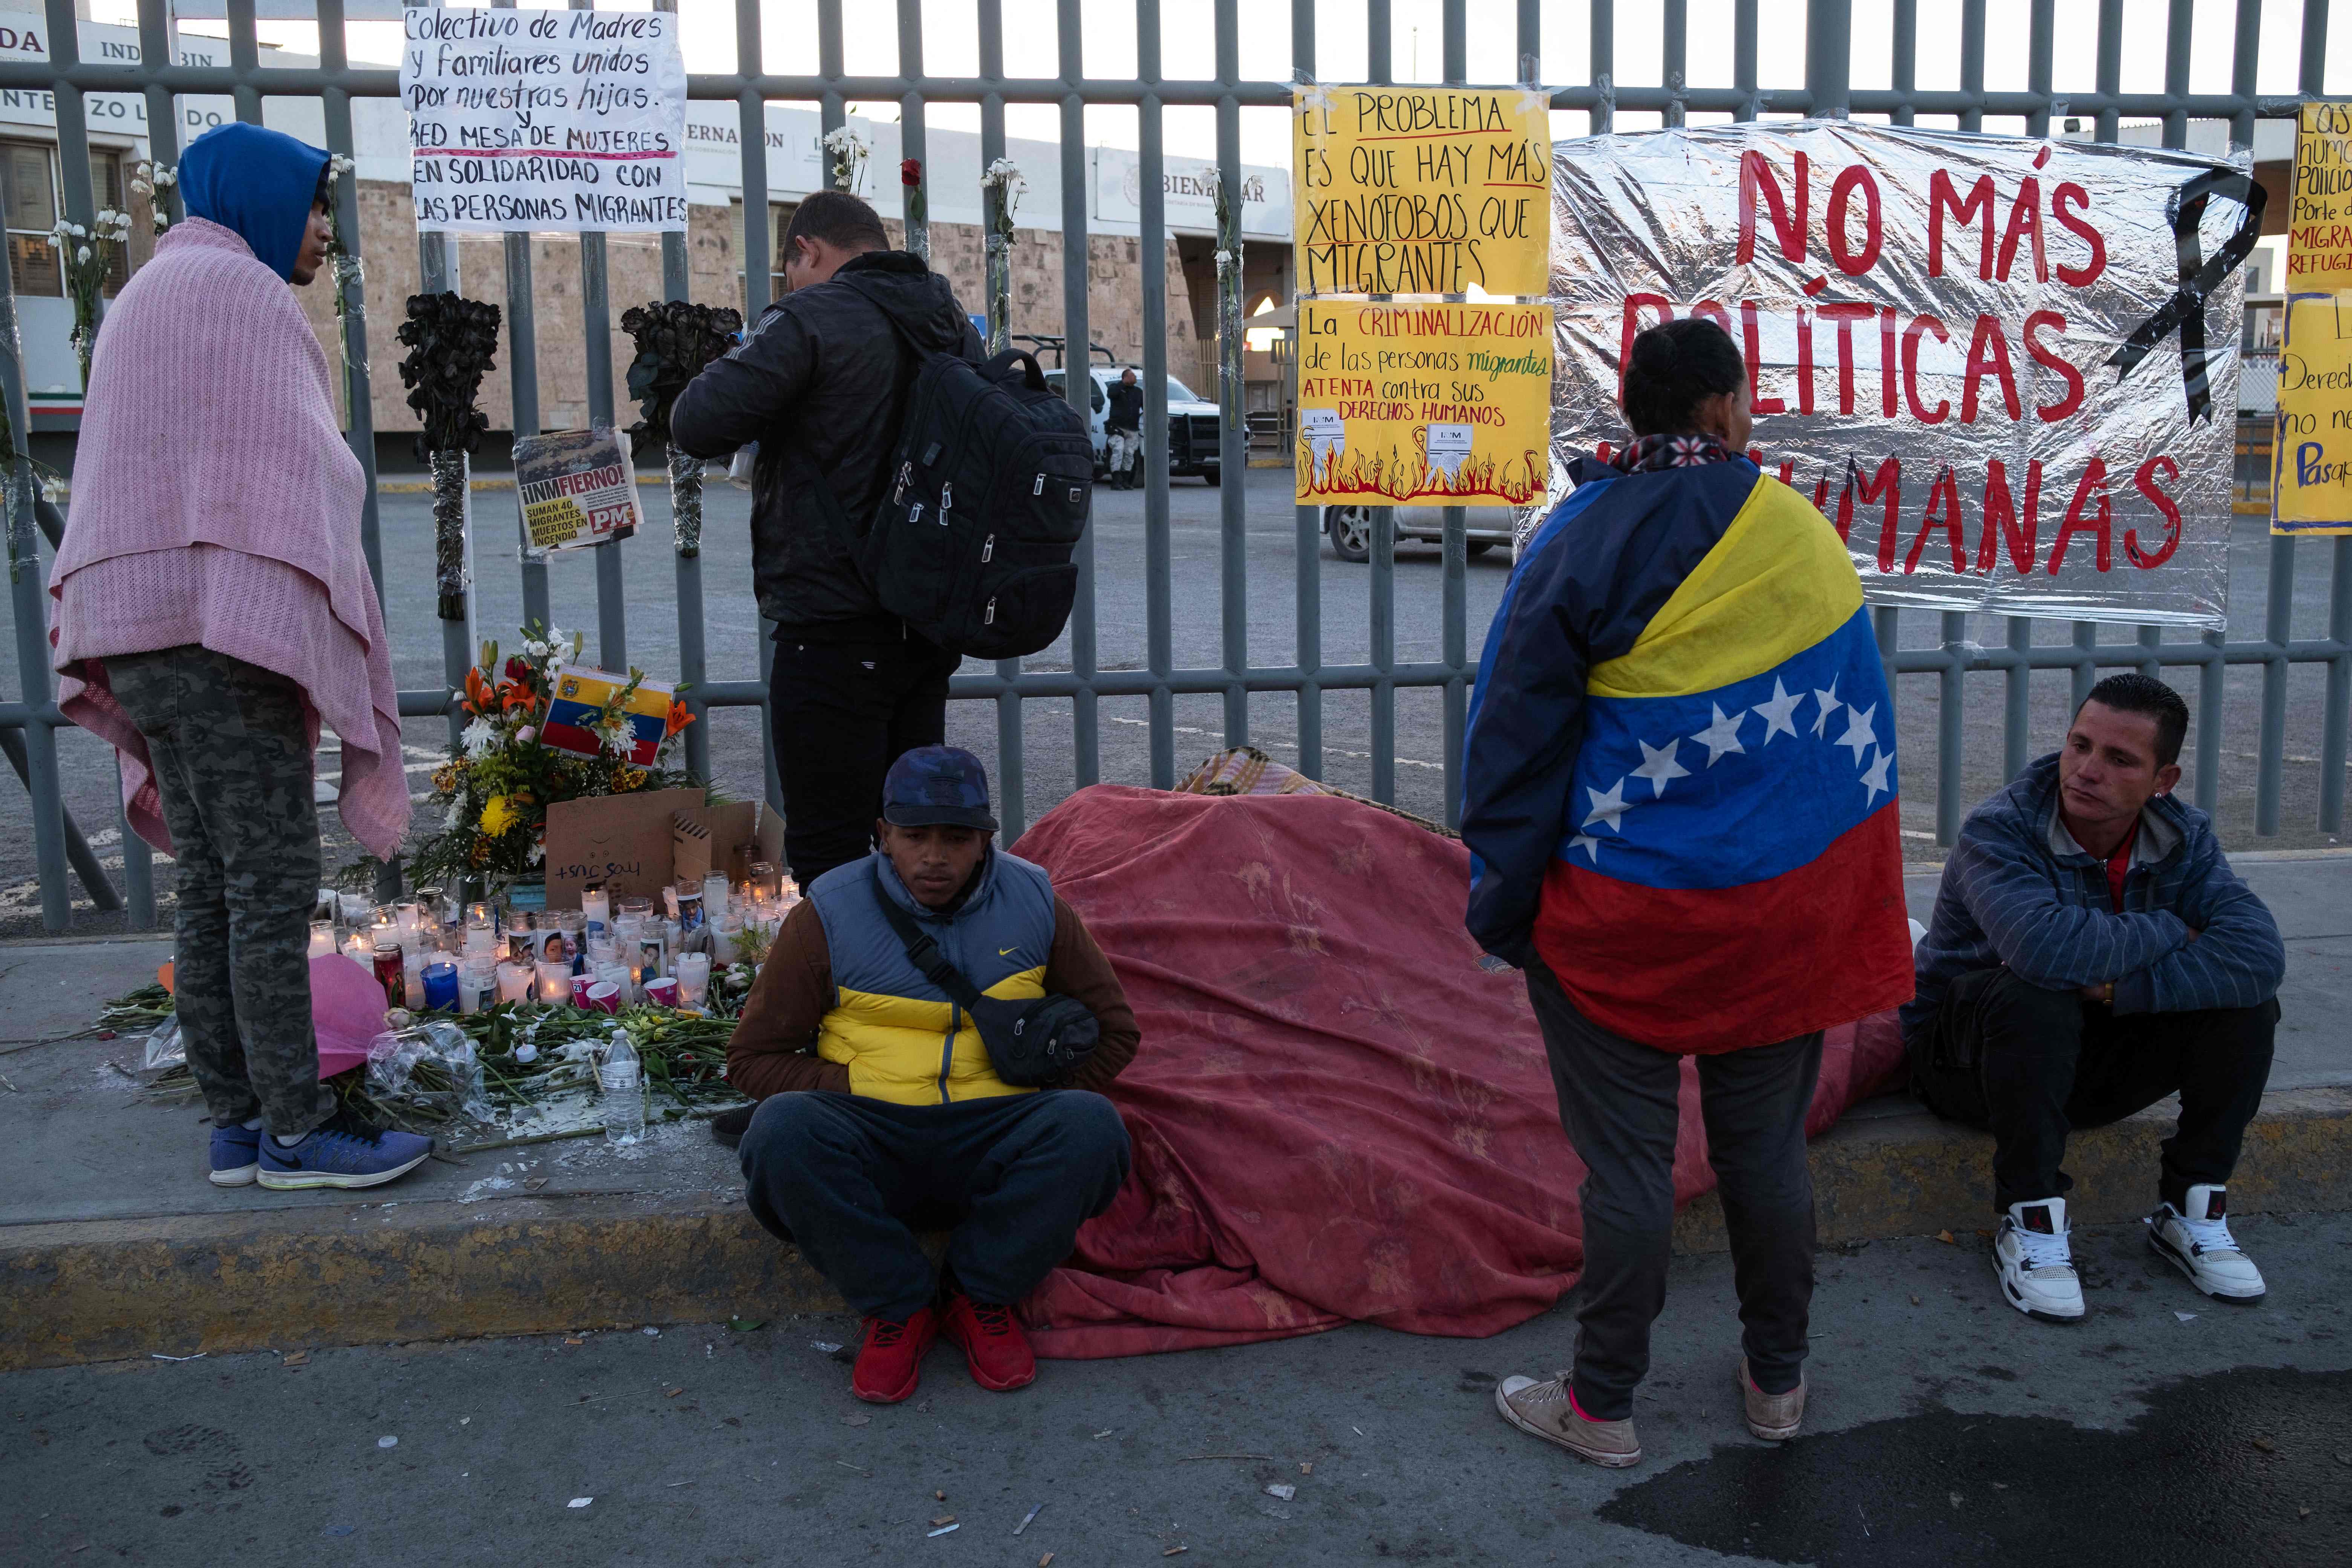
(1032,1043)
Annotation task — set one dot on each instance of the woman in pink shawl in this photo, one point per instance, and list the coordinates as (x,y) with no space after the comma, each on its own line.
(212,607)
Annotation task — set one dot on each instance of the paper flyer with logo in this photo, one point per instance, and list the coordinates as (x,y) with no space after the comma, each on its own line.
(576,488)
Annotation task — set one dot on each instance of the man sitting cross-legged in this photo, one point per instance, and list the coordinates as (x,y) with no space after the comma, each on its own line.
(880,1104)
(2092,952)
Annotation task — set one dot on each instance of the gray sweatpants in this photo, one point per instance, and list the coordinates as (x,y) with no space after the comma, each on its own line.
(231,752)
(1618,1102)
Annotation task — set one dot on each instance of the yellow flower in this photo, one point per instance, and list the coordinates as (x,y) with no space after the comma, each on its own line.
(498,815)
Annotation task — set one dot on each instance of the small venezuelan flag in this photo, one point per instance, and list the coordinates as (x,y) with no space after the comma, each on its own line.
(1716,807)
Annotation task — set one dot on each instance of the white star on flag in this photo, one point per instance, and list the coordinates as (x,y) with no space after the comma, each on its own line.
(1858,732)
(1608,805)
(1721,736)
(1658,766)
(1776,711)
(1829,704)
(1873,778)
(1587,843)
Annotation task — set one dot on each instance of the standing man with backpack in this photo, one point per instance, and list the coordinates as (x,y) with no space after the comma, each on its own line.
(822,383)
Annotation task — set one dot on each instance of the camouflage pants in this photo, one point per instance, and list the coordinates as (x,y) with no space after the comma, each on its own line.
(232,760)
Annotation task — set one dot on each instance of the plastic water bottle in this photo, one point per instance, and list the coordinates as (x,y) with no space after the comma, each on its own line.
(624,1090)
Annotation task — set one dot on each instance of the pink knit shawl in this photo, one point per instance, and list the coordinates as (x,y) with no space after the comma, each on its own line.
(215,501)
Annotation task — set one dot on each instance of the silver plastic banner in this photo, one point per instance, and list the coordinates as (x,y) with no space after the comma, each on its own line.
(2005,368)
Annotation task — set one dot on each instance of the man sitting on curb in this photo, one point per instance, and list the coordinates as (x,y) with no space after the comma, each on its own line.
(879,1102)
(2092,952)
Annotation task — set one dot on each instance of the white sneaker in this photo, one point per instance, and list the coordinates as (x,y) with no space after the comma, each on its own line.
(2199,1243)
(2035,1264)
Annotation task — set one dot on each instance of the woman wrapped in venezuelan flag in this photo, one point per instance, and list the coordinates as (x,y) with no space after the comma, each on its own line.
(1680,795)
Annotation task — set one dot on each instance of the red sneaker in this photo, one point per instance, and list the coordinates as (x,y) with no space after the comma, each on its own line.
(993,1345)
(890,1360)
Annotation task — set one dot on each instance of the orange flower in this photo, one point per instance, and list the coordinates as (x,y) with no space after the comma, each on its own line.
(481,699)
(518,698)
(679,719)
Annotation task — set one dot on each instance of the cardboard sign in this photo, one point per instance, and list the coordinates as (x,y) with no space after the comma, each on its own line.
(1422,190)
(619,840)
(535,121)
(1435,402)
(580,697)
(715,838)
(2311,449)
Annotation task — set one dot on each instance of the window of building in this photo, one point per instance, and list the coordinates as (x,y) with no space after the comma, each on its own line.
(780,217)
(31,200)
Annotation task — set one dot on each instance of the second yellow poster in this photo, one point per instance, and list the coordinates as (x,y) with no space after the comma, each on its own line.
(1444,402)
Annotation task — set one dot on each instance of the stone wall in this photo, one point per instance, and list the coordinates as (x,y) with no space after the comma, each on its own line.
(388,243)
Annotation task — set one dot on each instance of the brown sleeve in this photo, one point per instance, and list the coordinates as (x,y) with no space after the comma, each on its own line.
(1077,968)
(773,1048)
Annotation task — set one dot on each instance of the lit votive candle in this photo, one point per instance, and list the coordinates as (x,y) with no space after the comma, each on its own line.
(360,948)
(322,938)
(412,977)
(714,895)
(693,979)
(514,981)
(597,906)
(440,981)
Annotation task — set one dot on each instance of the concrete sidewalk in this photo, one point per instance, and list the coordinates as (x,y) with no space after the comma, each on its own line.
(112,1244)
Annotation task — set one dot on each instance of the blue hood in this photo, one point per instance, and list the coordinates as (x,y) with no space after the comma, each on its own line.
(259,182)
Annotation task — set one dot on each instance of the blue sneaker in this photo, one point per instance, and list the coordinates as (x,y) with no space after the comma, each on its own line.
(236,1154)
(343,1152)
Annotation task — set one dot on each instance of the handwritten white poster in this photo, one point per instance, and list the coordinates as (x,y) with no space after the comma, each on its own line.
(562,120)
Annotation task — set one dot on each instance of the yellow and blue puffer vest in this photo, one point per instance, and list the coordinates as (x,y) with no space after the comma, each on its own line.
(900,1037)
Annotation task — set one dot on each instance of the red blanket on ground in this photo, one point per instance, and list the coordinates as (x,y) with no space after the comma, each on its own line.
(1337,1115)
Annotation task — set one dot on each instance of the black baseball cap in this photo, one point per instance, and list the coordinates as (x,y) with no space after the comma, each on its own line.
(936,786)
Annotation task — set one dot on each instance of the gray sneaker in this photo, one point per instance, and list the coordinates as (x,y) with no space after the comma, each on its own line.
(1545,1410)
(1774,1417)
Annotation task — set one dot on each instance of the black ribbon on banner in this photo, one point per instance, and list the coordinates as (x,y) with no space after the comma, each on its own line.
(2185,311)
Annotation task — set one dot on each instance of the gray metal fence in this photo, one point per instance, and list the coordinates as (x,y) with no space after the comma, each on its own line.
(1827,91)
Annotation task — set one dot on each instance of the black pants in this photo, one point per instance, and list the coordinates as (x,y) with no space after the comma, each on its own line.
(1618,1102)
(842,712)
(840,1175)
(2031,1065)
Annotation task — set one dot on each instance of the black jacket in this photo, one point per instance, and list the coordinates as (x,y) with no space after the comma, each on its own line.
(822,378)
(1126,408)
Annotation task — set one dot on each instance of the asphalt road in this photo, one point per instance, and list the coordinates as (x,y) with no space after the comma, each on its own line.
(1271,557)
(1943,1429)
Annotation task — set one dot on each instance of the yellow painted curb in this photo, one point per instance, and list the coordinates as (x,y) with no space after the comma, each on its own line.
(106,1289)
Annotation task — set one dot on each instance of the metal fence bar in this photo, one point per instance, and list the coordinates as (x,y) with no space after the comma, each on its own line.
(1012,808)
(1077,268)
(245,54)
(1232,436)
(27,590)
(1159,549)
(1384,561)
(1454,629)
(1307,531)
(596,343)
(1601,28)
(693,657)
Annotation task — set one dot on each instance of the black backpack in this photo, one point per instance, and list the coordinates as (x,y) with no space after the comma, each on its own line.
(989,491)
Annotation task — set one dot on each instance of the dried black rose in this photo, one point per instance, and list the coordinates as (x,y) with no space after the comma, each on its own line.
(674,339)
(451,343)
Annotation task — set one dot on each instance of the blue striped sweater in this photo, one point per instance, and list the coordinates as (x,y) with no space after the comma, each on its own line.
(2018,891)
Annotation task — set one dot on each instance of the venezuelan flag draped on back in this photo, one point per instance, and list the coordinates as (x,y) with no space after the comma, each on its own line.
(1679,773)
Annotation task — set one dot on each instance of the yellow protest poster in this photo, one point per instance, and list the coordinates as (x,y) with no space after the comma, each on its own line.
(1443,402)
(1422,190)
(2311,447)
